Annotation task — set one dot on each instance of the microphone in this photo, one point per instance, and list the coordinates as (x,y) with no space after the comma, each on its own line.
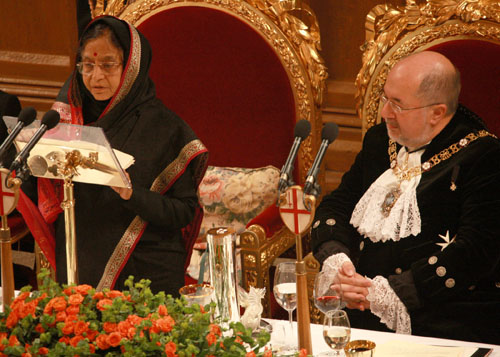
(328,135)
(25,118)
(301,131)
(49,120)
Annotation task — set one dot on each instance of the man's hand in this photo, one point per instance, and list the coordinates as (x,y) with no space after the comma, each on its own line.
(354,287)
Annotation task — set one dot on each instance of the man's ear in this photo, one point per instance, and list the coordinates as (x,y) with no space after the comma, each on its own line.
(438,113)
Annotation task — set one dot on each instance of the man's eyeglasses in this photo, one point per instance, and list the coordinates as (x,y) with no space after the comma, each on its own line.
(87,68)
(397,108)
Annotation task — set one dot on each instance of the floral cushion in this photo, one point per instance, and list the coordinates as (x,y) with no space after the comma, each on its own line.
(232,196)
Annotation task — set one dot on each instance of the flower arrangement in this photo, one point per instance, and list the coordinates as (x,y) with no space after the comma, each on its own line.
(79,321)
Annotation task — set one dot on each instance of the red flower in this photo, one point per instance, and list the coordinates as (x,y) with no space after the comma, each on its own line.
(211,338)
(165,324)
(68,328)
(12,319)
(109,327)
(61,316)
(113,293)
(83,289)
(250,354)
(74,340)
(114,339)
(75,299)
(123,327)
(162,310)
(102,341)
(13,341)
(303,352)
(43,351)
(215,329)
(73,310)
(101,305)
(39,328)
(81,327)
(91,334)
(170,349)
(59,303)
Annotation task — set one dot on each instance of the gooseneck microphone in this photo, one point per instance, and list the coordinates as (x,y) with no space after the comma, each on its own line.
(25,118)
(301,131)
(49,120)
(328,135)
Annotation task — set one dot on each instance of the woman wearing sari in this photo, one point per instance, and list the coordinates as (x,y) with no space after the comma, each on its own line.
(144,231)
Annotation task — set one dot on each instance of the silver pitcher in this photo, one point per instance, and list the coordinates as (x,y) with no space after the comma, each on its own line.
(221,255)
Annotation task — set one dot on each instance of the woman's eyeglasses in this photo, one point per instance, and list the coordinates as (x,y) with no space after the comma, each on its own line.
(87,68)
(397,108)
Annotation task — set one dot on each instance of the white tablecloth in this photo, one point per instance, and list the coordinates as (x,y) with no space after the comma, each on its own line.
(319,345)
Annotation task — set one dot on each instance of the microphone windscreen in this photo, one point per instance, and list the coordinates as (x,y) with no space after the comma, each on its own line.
(330,132)
(302,129)
(27,115)
(51,119)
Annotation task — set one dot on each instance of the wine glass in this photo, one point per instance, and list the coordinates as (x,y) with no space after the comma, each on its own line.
(336,330)
(326,299)
(285,291)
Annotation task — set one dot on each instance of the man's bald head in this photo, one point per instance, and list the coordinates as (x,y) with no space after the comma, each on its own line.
(438,79)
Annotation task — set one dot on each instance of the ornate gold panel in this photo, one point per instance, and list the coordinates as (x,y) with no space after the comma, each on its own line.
(393,33)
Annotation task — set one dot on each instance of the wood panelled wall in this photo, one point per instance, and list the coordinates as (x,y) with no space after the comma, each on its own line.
(38,40)
(342,26)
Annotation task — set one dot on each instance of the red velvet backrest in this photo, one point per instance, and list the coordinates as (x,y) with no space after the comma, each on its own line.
(479,66)
(222,77)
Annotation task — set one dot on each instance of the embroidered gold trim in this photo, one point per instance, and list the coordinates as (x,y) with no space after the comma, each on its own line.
(128,239)
(133,70)
(445,154)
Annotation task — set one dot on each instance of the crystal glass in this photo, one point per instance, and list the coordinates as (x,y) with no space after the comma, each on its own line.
(336,331)
(201,294)
(285,292)
(326,299)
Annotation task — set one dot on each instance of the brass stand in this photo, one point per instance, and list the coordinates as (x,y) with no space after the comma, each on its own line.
(12,186)
(68,205)
(298,219)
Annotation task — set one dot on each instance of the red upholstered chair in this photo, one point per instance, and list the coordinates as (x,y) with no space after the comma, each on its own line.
(241,73)
(467,32)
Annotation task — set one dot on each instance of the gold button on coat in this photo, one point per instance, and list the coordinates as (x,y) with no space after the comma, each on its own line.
(399,270)
(441,271)
(433,260)
(330,221)
(449,283)
(361,245)
(316,224)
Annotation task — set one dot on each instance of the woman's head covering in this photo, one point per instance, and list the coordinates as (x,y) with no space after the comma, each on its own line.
(135,85)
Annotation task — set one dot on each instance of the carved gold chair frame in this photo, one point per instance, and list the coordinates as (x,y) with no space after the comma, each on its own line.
(291,29)
(393,33)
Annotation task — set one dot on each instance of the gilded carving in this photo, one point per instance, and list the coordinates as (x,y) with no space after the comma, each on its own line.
(436,21)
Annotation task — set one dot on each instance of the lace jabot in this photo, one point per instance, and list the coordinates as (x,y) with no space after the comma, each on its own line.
(401,216)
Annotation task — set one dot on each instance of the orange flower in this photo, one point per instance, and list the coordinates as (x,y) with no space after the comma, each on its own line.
(303,352)
(211,338)
(113,293)
(98,295)
(162,310)
(43,351)
(166,324)
(215,329)
(13,341)
(101,305)
(123,327)
(68,328)
(70,290)
(114,339)
(23,295)
(61,316)
(109,327)
(12,319)
(73,310)
(58,303)
(268,352)
(39,328)
(91,334)
(92,348)
(81,327)
(238,340)
(131,333)
(102,341)
(250,354)
(170,349)
(134,319)
(74,340)
(26,354)
(83,289)
(65,339)
(75,299)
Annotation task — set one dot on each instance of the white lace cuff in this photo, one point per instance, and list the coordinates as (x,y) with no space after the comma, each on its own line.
(385,304)
(335,261)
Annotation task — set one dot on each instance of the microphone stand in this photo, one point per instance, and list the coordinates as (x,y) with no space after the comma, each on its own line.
(298,218)
(12,185)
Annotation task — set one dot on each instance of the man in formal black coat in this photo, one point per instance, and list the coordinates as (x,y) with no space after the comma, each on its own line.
(413,229)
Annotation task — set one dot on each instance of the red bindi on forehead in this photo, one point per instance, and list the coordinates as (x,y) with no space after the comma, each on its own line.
(95,54)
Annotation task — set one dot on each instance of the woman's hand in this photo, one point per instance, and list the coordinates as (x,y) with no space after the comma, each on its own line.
(124,192)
